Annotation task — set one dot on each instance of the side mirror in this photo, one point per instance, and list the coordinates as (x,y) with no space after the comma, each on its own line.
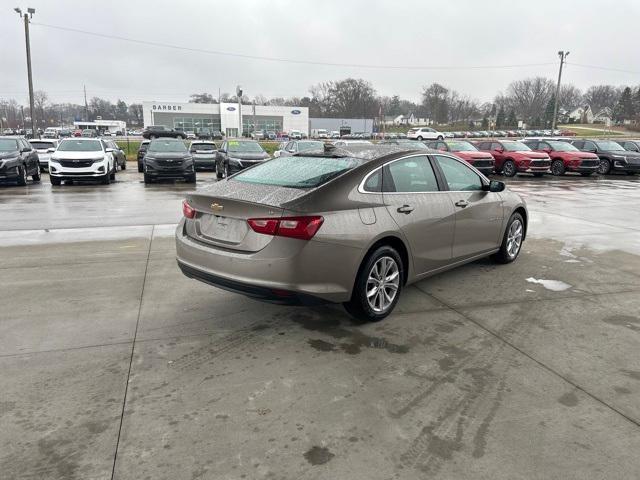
(109,150)
(51,150)
(546,150)
(500,149)
(493,186)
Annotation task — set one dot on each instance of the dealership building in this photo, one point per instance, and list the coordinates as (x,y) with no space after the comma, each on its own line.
(226,117)
(356,125)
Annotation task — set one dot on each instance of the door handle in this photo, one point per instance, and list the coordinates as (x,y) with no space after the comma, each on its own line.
(462,203)
(406,209)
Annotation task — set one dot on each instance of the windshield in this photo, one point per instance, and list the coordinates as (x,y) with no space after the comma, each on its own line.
(310,146)
(245,147)
(297,172)
(515,147)
(8,145)
(42,145)
(610,145)
(203,146)
(166,146)
(461,147)
(563,147)
(80,146)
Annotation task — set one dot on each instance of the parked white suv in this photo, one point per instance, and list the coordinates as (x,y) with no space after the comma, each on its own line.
(424,133)
(45,147)
(82,159)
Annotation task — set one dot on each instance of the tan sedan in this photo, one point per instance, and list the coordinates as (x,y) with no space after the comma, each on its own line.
(352,225)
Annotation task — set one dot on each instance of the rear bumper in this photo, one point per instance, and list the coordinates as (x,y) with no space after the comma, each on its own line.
(285,271)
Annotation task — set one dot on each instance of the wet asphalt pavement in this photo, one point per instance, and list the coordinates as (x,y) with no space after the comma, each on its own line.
(114,365)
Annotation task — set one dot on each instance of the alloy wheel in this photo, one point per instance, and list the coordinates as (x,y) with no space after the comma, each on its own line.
(509,169)
(514,238)
(382,284)
(604,167)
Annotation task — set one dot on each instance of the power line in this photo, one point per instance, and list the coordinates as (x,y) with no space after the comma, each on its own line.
(289,60)
(597,67)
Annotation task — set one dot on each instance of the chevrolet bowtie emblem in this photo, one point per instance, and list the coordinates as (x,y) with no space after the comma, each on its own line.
(216,208)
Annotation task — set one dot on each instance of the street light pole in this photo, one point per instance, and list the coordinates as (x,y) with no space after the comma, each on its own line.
(563,55)
(27,16)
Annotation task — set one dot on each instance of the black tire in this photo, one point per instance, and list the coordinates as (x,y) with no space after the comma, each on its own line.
(112,174)
(36,176)
(440,137)
(359,306)
(420,138)
(124,165)
(218,173)
(106,179)
(509,168)
(557,168)
(147,179)
(504,255)
(190,178)
(605,167)
(55,181)
(152,137)
(140,168)
(22,175)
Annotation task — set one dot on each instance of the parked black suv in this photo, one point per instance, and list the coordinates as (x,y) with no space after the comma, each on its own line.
(234,155)
(630,145)
(18,160)
(142,149)
(168,158)
(157,131)
(613,157)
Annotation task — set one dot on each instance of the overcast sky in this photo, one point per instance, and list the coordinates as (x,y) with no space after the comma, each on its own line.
(446,33)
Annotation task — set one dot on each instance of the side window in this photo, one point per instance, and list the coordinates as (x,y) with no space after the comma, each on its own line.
(458,176)
(590,146)
(495,146)
(532,144)
(412,174)
(442,146)
(631,146)
(483,146)
(541,146)
(578,144)
(374,182)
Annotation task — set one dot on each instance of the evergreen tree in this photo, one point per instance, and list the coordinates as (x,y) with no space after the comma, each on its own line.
(485,123)
(548,111)
(512,121)
(624,109)
(500,118)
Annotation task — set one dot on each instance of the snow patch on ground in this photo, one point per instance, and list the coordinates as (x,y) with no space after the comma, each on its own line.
(553,285)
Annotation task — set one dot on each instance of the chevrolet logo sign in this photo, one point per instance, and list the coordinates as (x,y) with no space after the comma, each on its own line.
(216,207)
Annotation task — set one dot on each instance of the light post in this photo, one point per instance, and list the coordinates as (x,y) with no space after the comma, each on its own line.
(563,55)
(239,97)
(27,16)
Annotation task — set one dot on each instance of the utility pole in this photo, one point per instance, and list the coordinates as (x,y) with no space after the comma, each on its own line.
(27,16)
(563,56)
(86,107)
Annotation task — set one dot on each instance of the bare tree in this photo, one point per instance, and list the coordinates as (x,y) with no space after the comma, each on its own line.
(601,96)
(529,97)
(570,97)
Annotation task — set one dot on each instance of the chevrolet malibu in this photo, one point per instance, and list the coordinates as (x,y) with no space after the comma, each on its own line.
(351,225)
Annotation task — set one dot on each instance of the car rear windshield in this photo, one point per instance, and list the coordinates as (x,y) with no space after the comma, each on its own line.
(42,145)
(203,146)
(515,147)
(8,145)
(461,147)
(310,146)
(80,146)
(246,147)
(166,146)
(609,145)
(297,172)
(563,147)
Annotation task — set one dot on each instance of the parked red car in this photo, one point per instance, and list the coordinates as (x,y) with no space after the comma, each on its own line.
(565,157)
(515,157)
(77,133)
(467,151)
(567,133)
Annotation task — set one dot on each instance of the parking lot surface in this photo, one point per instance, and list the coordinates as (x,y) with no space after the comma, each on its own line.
(114,365)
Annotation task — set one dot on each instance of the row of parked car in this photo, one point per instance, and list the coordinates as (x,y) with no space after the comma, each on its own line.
(170,158)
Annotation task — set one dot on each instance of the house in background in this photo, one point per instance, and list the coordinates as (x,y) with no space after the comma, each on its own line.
(603,116)
(581,115)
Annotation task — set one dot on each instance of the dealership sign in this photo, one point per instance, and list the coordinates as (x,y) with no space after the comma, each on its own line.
(296,112)
(166,107)
(231,109)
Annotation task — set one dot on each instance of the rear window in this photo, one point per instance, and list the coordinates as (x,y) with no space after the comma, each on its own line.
(244,147)
(203,146)
(297,172)
(8,145)
(42,145)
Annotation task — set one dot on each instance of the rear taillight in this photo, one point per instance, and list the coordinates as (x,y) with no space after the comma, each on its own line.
(187,210)
(303,228)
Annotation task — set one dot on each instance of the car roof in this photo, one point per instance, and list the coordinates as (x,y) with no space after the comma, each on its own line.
(363,151)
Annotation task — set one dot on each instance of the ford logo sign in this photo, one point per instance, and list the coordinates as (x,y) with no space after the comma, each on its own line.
(231,109)
(296,112)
